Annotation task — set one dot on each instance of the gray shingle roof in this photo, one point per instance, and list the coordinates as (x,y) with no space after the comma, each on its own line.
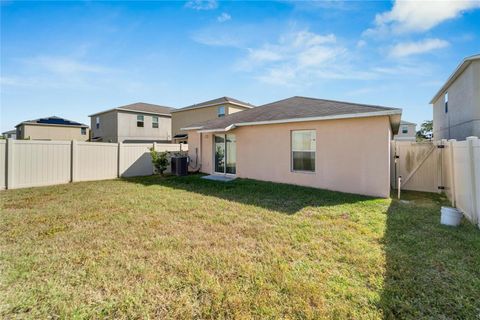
(407,123)
(147,107)
(215,102)
(294,108)
(54,120)
(140,107)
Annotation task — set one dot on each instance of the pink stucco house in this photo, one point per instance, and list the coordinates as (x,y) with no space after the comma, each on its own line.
(326,144)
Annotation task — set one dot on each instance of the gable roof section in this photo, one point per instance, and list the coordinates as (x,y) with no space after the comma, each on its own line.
(140,107)
(461,67)
(54,121)
(298,109)
(215,102)
(407,123)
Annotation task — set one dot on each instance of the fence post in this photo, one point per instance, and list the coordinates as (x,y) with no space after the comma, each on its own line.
(9,170)
(451,143)
(74,162)
(119,160)
(471,165)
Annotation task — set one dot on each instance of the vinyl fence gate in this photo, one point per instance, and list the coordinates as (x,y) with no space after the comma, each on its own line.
(452,167)
(419,164)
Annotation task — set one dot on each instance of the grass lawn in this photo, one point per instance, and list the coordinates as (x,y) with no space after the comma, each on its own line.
(175,248)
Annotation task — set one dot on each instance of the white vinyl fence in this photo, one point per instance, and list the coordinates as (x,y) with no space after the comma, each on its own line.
(449,166)
(461,169)
(29,163)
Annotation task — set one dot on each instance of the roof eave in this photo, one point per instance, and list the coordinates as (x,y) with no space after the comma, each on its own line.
(460,68)
(393,114)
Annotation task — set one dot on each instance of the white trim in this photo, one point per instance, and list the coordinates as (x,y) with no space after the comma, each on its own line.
(190,128)
(334,117)
(458,71)
(212,105)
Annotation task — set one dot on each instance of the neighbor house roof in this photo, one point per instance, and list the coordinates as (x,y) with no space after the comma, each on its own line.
(215,102)
(298,109)
(54,121)
(407,123)
(140,107)
(10,132)
(461,67)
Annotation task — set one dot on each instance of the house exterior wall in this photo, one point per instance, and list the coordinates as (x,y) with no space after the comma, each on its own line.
(119,126)
(108,126)
(128,130)
(463,117)
(409,136)
(50,132)
(352,155)
(182,119)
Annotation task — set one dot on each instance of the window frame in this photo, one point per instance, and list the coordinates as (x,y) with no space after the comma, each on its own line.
(97,122)
(292,169)
(142,121)
(405,129)
(83,131)
(221,114)
(446,102)
(155,121)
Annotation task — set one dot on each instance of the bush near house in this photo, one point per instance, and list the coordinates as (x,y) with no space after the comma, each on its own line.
(170,247)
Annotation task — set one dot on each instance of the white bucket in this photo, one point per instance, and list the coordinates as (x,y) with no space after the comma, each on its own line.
(450,216)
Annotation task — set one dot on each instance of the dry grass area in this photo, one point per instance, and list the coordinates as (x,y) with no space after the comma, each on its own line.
(188,248)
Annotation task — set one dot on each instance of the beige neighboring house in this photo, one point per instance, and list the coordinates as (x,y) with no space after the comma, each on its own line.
(407,132)
(11,134)
(456,106)
(52,128)
(133,123)
(326,144)
(203,111)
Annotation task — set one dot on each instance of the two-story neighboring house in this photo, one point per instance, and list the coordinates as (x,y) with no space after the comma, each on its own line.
(456,106)
(203,111)
(406,132)
(133,123)
(52,128)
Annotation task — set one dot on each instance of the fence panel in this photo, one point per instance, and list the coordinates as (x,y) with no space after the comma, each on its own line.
(135,159)
(3,155)
(95,161)
(38,163)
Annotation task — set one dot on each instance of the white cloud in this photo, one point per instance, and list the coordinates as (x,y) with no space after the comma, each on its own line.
(404,49)
(65,65)
(300,57)
(224,17)
(419,16)
(202,4)
(361,43)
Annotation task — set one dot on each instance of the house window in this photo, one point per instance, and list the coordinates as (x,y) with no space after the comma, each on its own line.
(140,121)
(97,122)
(83,131)
(154,122)
(404,129)
(303,150)
(446,102)
(221,111)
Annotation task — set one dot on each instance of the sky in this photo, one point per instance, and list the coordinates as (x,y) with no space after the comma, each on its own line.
(71,59)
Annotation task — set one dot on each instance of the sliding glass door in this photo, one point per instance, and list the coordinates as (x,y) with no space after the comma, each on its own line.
(225,154)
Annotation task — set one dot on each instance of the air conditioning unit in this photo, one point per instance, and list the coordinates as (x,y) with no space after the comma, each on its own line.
(179,165)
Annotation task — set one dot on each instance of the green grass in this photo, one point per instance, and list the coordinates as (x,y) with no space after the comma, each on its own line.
(189,248)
